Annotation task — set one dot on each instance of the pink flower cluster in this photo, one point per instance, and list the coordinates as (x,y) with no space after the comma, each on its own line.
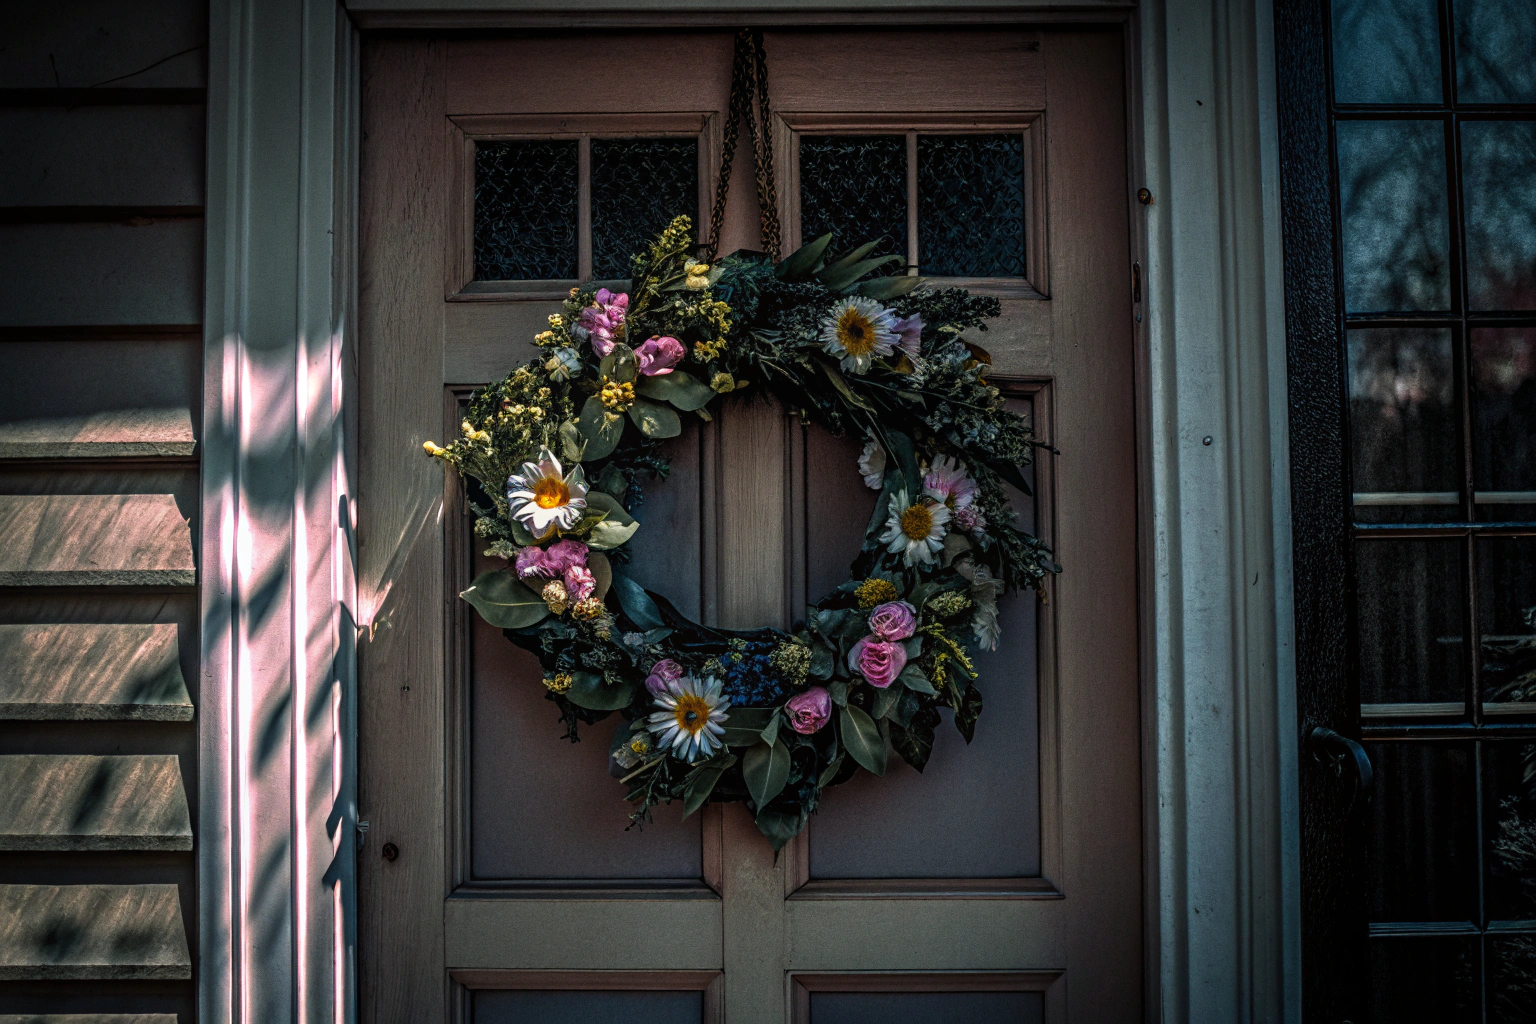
(664,673)
(565,560)
(659,355)
(605,321)
(881,656)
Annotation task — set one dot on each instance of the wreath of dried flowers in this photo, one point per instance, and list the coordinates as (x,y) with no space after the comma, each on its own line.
(555,454)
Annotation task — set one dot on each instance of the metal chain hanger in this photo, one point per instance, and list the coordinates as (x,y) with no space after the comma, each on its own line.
(749,80)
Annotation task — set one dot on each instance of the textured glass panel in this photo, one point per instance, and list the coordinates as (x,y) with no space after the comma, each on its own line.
(1403,420)
(1386,51)
(1509,801)
(1504,418)
(855,186)
(1392,193)
(535,1006)
(1408,601)
(1512,979)
(1495,44)
(638,186)
(1421,834)
(1506,608)
(970,205)
(1498,168)
(927,1007)
(525,210)
(1424,979)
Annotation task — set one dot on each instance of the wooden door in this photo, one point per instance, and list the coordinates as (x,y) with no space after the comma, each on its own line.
(497,880)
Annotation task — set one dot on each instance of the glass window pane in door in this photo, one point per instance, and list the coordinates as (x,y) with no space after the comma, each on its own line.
(1504,421)
(1386,51)
(1408,602)
(855,186)
(638,186)
(525,210)
(1392,197)
(1498,169)
(1509,806)
(1421,833)
(1495,41)
(1403,424)
(970,205)
(1506,608)
(1424,978)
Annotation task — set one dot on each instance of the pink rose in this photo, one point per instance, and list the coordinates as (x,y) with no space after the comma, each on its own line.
(659,355)
(894,620)
(579,583)
(563,554)
(810,710)
(663,674)
(910,335)
(877,661)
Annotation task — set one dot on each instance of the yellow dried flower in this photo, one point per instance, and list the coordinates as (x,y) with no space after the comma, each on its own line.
(555,596)
(696,282)
(559,682)
(875,591)
(617,395)
(704,351)
(590,608)
(432,448)
(641,743)
(556,320)
(722,383)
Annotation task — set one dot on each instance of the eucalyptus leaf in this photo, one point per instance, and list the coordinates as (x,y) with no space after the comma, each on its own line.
(696,793)
(592,691)
(609,505)
(601,428)
(915,680)
(837,689)
(862,739)
(803,260)
(821,662)
(520,533)
(607,535)
(884,701)
(683,390)
(913,645)
(571,441)
(503,601)
(620,364)
(637,604)
(602,573)
(765,768)
(612,481)
(654,419)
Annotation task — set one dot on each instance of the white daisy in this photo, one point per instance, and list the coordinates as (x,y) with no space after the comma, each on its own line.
(915,530)
(692,718)
(872,465)
(857,330)
(545,498)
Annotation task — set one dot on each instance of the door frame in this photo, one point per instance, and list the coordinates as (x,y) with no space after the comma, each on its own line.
(1218,675)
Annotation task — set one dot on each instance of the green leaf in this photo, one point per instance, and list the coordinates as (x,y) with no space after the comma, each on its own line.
(612,481)
(862,739)
(771,730)
(620,364)
(900,445)
(829,772)
(840,278)
(602,573)
(655,419)
(842,386)
(821,662)
(883,289)
(765,767)
(913,679)
(915,742)
(913,645)
(609,505)
(884,701)
(503,601)
(968,711)
(696,793)
(601,428)
(803,260)
(607,535)
(837,689)
(744,726)
(590,690)
(905,708)
(521,533)
(780,826)
(683,390)
(855,254)
(636,603)
(571,442)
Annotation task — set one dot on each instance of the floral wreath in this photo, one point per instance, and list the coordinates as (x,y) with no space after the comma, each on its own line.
(554,456)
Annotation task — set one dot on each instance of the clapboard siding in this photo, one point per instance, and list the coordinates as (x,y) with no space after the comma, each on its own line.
(90,42)
(84,802)
(83,932)
(101,156)
(102,273)
(94,540)
(92,671)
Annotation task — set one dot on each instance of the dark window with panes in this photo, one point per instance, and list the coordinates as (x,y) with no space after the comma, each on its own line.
(1433,121)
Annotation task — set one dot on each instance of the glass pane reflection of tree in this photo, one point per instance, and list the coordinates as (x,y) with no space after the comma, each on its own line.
(1498,160)
(1386,52)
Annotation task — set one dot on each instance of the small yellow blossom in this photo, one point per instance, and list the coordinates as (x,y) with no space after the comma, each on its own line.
(432,448)
(641,744)
(704,351)
(875,591)
(722,383)
(696,282)
(591,608)
(617,395)
(560,682)
(556,320)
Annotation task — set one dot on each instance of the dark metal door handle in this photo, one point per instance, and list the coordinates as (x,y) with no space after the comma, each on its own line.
(1341,752)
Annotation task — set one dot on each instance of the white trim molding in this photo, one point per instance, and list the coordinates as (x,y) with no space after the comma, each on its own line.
(1222,751)
(276,835)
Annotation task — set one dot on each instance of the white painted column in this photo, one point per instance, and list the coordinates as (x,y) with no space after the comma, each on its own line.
(277,845)
(1223,757)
